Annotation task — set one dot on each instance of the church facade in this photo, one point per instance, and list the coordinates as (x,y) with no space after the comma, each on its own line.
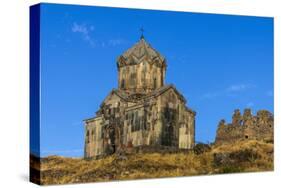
(143,111)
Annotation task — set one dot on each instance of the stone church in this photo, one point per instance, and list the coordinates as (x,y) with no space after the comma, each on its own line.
(143,111)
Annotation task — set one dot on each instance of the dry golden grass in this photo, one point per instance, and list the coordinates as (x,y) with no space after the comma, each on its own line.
(249,156)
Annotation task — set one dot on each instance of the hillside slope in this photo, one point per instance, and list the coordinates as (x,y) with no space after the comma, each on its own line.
(243,156)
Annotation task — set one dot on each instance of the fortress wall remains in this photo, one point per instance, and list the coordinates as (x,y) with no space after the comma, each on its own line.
(246,126)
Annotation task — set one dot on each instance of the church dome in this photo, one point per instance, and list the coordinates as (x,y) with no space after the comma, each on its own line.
(141,51)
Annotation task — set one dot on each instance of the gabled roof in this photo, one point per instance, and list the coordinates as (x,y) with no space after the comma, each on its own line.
(116,92)
(141,50)
(163,89)
(126,96)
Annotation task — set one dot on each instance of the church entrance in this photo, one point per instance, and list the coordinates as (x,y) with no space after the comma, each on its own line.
(112,143)
(169,120)
(170,135)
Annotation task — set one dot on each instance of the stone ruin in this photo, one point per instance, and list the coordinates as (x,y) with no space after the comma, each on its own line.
(246,127)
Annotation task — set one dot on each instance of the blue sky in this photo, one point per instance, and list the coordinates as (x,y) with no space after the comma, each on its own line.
(218,62)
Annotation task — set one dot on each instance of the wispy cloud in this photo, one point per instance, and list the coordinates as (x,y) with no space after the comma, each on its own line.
(211,95)
(231,90)
(112,42)
(85,31)
(250,104)
(239,87)
(115,42)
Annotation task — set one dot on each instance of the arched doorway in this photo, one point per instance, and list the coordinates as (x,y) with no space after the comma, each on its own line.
(112,137)
(170,135)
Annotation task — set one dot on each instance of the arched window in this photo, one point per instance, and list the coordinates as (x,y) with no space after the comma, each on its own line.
(87,136)
(154,83)
(93,136)
(143,77)
(133,77)
(122,84)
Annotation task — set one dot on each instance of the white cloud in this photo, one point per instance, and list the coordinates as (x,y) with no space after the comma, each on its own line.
(230,91)
(76,28)
(115,42)
(85,31)
(250,104)
(92,28)
(211,95)
(239,87)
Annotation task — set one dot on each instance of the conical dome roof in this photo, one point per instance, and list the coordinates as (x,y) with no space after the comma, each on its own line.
(138,53)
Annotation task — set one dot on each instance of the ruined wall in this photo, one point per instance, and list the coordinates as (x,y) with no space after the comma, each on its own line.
(246,126)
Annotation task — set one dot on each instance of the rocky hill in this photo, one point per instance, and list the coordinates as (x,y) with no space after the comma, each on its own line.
(240,156)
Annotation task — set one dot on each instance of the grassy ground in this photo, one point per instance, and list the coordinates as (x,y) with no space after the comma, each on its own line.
(243,156)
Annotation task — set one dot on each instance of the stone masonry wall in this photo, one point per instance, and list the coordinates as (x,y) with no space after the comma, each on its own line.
(246,126)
